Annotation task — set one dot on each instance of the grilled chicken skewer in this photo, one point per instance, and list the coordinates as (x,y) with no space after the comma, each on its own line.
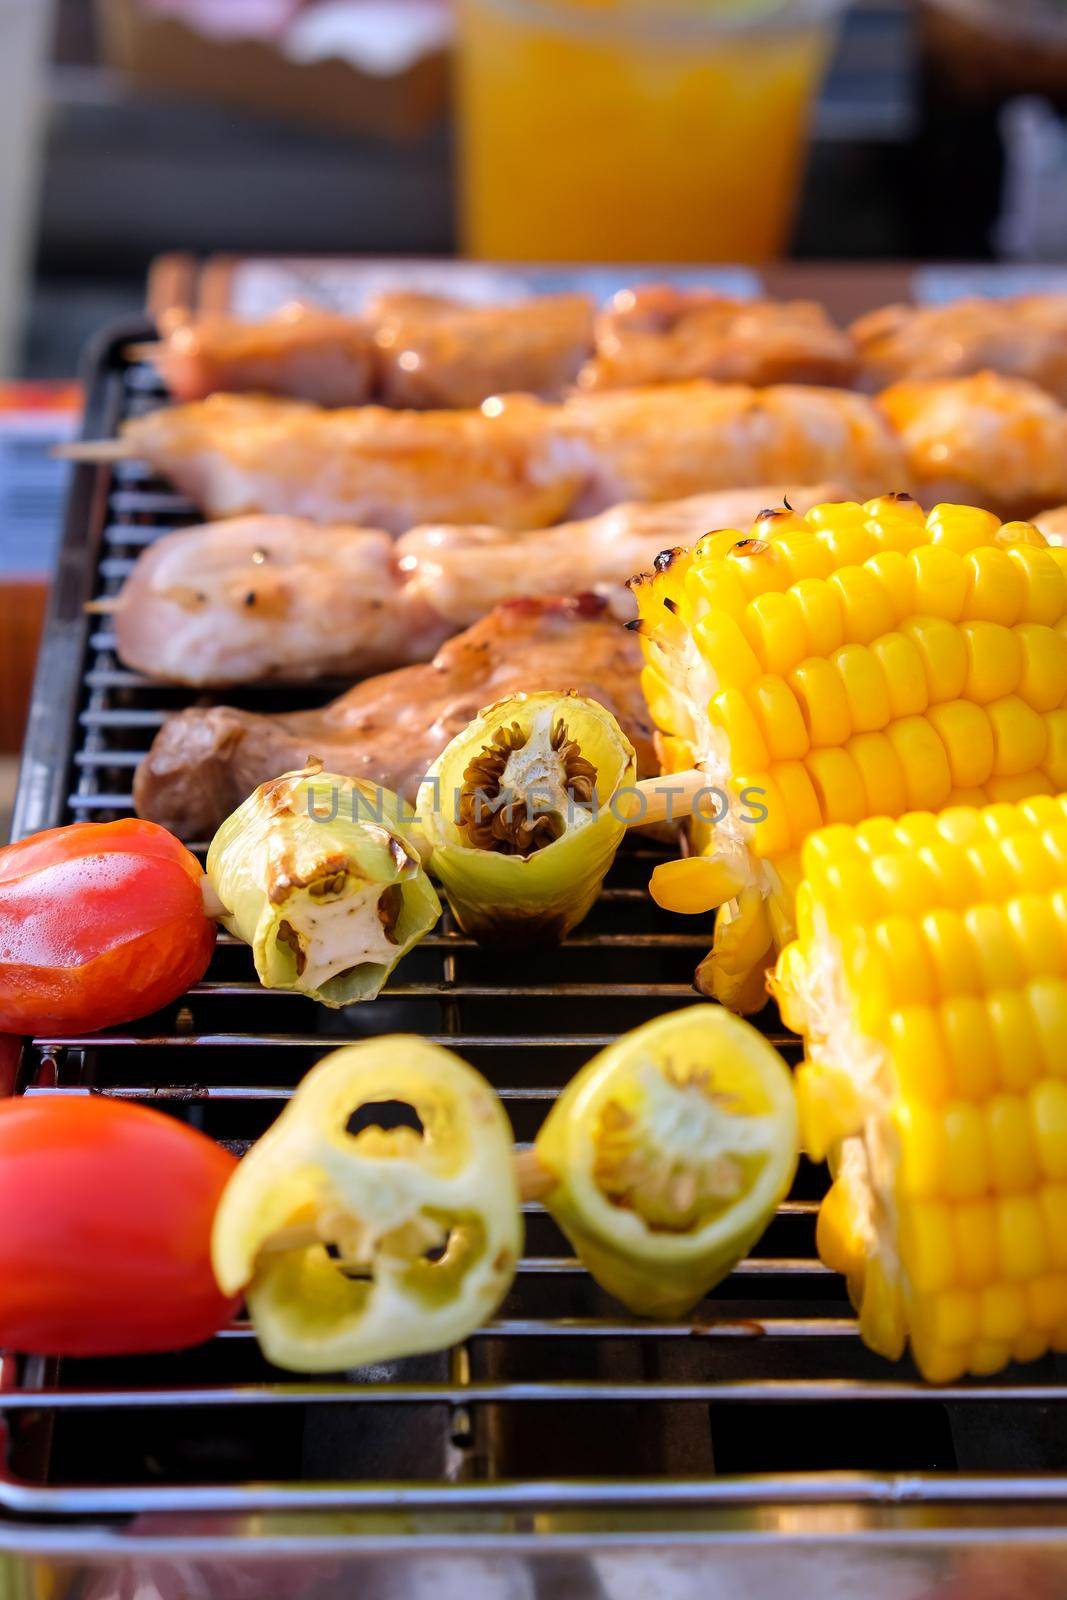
(420,350)
(515,463)
(279,597)
(1019,338)
(661,334)
(388,730)
(410,350)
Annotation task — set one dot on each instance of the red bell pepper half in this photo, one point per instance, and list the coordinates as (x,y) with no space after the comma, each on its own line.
(99,923)
(105,1229)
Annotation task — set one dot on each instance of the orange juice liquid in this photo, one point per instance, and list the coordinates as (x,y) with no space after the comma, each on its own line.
(589,132)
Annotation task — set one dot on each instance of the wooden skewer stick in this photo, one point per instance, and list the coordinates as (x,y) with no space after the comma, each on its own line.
(535,1182)
(149,350)
(95,451)
(668,798)
(105,606)
(213,906)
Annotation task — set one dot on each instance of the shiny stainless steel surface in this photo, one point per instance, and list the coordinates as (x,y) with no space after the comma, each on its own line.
(567,1449)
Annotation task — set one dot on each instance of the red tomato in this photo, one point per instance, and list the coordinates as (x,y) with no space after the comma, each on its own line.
(105,1228)
(99,923)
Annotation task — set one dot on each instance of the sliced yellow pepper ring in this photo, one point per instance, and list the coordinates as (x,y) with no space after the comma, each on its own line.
(670,1151)
(356,1242)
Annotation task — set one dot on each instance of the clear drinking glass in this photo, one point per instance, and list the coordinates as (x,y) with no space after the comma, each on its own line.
(635,130)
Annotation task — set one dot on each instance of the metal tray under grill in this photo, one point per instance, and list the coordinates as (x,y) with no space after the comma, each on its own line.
(567,1449)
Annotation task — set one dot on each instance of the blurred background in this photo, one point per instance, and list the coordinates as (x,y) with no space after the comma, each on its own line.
(726,131)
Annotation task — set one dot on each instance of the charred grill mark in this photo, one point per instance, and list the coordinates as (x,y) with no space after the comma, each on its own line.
(288,936)
(390,905)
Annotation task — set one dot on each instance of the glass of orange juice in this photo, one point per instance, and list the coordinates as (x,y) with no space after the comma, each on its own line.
(635,130)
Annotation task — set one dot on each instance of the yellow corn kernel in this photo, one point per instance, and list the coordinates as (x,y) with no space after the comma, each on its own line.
(758,563)
(774,627)
(944,656)
(820,610)
(866,689)
(921,1160)
(1021,1247)
(837,784)
(1048,1112)
(731,711)
(923,761)
(974,1243)
(694,885)
(780,719)
(902,669)
(949,953)
(1045,588)
(920,1054)
(1001,1311)
(926,1245)
(967,737)
(1020,739)
(1013,1157)
(726,650)
(1056,748)
(965,1170)
(880,772)
(896,575)
(866,608)
(997,590)
(941,582)
(994,661)
(898,942)
(1054,1221)
(799,799)
(823,703)
(1043,679)
(960,528)
(1046,1301)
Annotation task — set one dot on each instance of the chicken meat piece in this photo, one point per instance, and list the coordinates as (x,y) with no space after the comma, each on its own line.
(462,571)
(436,352)
(1053,524)
(233,454)
(272,597)
(687,438)
(989,441)
(515,462)
(280,597)
(311,354)
(1019,338)
(389,730)
(662,334)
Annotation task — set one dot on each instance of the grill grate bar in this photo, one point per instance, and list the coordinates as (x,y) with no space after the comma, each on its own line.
(767,1391)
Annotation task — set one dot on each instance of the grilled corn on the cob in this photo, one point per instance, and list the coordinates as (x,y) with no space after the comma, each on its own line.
(929,978)
(857,661)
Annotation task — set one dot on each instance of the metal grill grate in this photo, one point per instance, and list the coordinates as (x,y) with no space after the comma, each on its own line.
(765,1395)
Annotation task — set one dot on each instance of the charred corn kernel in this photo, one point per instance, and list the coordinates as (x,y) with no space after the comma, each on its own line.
(857,661)
(950,1167)
(967,736)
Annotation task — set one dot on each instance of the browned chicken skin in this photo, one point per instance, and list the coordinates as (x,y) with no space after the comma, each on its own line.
(1019,338)
(515,463)
(986,440)
(662,334)
(435,352)
(388,730)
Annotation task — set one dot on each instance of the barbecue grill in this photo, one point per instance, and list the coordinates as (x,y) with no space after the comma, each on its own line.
(565,1450)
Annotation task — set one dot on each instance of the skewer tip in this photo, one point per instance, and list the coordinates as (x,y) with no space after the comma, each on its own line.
(96,452)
